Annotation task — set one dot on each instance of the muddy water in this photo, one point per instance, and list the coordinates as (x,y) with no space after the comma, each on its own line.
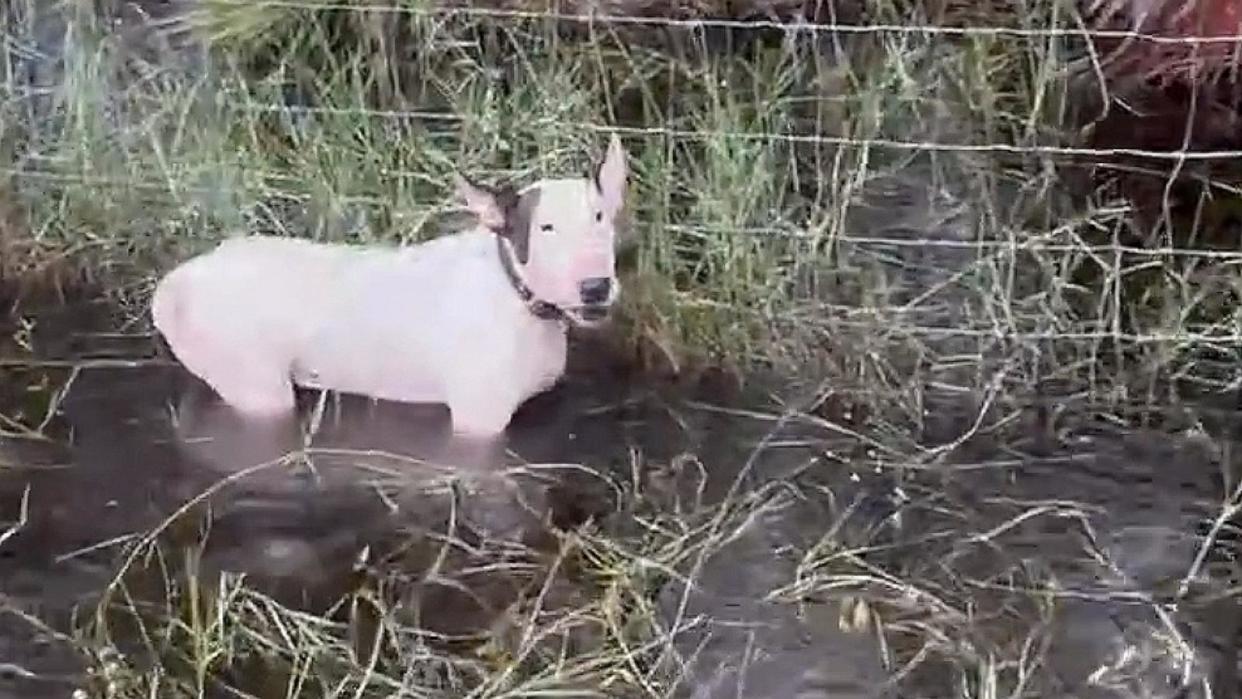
(1057,556)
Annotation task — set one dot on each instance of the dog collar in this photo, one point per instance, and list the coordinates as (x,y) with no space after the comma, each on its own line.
(543,310)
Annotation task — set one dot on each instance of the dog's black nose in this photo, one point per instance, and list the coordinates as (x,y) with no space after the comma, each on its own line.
(595,290)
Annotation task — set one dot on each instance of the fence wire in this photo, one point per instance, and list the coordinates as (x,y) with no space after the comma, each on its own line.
(793,25)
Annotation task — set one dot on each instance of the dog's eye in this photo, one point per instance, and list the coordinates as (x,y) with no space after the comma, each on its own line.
(546,228)
(599,216)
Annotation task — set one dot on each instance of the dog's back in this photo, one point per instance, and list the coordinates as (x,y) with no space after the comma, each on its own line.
(256,284)
(236,315)
(258,311)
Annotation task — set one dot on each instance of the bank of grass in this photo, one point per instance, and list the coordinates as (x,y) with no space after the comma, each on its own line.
(748,250)
(756,156)
(296,122)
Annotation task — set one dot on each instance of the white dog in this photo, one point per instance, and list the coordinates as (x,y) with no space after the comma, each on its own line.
(477,320)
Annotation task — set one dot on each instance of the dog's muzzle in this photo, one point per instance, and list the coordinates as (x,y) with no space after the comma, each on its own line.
(595,291)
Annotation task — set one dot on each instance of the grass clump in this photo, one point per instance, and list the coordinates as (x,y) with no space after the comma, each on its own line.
(434,610)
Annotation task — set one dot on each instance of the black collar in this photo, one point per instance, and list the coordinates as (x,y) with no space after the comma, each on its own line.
(543,310)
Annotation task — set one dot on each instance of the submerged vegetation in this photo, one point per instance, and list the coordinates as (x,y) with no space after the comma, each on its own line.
(950,215)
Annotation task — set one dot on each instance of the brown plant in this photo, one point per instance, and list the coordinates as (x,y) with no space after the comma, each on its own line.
(1187,41)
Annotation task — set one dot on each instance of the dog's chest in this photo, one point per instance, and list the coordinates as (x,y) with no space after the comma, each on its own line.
(545,363)
(394,366)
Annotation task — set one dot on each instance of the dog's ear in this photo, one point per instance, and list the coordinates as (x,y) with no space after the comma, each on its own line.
(482,201)
(507,199)
(521,218)
(610,177)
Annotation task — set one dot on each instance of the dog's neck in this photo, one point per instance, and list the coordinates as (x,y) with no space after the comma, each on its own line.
(541,309)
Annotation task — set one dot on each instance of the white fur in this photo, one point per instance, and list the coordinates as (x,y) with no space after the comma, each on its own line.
(438,322)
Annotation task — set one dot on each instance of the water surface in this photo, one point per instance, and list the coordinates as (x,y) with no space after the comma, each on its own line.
(1064,557)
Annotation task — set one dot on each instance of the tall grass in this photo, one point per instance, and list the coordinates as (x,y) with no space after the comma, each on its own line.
(757,160)
(345,125)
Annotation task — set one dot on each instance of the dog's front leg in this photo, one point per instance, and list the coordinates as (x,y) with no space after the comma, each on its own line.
(475,452)
(479,421)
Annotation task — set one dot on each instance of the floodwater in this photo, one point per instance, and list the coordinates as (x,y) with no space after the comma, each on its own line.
(1064,559)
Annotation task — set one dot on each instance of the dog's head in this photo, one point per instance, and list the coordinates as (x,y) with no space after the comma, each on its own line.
(562,233)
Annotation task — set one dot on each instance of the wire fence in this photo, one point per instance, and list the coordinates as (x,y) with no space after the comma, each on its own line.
(754,193)
(900,212)
(793,25)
